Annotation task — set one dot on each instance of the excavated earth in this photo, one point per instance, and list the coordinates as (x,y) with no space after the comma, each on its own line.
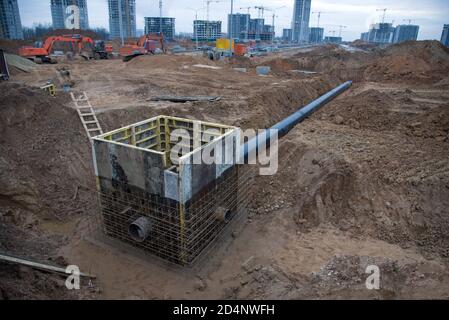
(364,181)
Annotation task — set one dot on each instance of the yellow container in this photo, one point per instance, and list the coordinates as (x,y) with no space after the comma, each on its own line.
(223,44)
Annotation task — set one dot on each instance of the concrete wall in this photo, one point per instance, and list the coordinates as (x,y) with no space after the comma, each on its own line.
(127,165)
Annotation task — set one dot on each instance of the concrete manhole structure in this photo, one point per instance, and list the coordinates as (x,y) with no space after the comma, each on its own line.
(153,193)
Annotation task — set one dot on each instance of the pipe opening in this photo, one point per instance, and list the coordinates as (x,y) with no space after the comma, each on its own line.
(223,214)
(140,229)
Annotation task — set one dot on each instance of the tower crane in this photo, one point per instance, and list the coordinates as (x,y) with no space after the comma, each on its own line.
(341,29)
(319,16)
(273,19)
(261,11)
(246,8)
(208,2)
(383,16)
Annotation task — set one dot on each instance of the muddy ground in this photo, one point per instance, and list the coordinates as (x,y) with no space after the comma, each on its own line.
(364,181)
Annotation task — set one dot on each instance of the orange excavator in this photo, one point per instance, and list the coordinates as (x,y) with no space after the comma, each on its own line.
(147,44)
(84,46)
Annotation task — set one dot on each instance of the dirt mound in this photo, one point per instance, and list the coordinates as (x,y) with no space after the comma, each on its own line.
(374,199)
(45,178)
(413,113)
(329,59)
(12,46)
(62,32)
(241,62)
(43,156)
(341,277)
(280,65)
(432,52)
(364,45)
(20,64)
(409,62)
(415,61)
(167,62)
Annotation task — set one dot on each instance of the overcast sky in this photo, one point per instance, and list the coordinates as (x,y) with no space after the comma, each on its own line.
(357,15)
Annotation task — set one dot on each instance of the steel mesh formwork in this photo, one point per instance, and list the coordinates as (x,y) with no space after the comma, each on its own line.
(180,233)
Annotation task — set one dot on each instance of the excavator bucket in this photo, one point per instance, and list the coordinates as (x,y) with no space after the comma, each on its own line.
(129,52)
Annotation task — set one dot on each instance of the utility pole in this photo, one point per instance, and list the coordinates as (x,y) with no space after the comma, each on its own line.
(160,18)
(319,17)
(196,32)
(230,29)
(196,19)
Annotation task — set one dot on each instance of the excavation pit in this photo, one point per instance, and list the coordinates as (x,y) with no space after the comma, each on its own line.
(155,195)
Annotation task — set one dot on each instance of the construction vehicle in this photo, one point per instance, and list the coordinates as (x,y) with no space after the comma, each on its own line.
(83,46)
(109,49)
(101,50)
(147,44)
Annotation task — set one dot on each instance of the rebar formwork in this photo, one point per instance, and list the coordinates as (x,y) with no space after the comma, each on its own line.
(166,204)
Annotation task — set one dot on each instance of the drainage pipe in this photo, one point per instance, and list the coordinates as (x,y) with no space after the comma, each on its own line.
(284,126)
(140,229)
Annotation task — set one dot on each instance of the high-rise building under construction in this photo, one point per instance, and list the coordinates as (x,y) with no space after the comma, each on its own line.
(445,35)
(300,22)
(206,30)
(122,18)
(405,32)
(59,13)
(165,25)
(10,24)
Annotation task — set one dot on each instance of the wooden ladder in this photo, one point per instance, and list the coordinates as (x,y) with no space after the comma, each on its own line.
(87,115)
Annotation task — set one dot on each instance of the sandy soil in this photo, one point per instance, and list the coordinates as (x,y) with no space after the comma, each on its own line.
(364,181)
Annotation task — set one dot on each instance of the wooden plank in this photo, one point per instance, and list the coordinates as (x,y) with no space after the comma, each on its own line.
(39,266)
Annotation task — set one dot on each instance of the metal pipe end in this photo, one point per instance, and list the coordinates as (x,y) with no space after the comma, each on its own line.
(140,229)
(223,214)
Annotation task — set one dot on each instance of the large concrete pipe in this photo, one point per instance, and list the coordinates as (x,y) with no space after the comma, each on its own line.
(284,126)
(140,229)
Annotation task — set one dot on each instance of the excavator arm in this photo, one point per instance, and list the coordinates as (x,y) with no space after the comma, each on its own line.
(76,41)
(144,45)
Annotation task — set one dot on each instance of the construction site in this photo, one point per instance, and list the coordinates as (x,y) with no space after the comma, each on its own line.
(90,175)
